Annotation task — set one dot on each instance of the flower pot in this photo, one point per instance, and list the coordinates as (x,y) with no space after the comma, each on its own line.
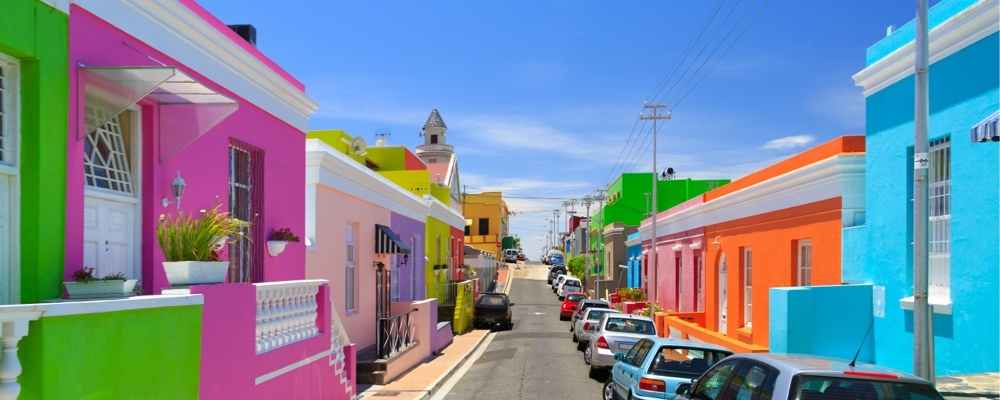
(195,272)
(276,247)
(100,289)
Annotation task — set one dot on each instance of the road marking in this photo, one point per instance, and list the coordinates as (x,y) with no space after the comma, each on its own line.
(469,362)
(539,313)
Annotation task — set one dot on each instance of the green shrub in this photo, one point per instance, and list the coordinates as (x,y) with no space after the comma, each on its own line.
(575,266)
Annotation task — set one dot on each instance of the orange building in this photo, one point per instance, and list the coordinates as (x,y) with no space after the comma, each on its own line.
(776,227)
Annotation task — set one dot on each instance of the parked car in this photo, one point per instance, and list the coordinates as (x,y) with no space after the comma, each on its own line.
(556,259)
(554,272)
(586,325)
(558,281)
(569,304)
(522,257)
(569,285)
(781,376)
(510,255)
(616,333)
(583,306)
(654,368)
(493,310)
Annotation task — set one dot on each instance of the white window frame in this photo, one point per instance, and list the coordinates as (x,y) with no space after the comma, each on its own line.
(12,121)
(804,267)
(350,268)
(746,260)
(699,266)
(939,219)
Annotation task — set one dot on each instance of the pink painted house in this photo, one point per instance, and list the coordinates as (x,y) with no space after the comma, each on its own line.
(172,111)
(680,274)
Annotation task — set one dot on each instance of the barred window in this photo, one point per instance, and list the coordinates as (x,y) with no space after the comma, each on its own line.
(939,217)
(350,268)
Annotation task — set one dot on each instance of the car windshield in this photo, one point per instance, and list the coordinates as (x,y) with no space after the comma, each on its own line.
(629,325)
(596,314)
(487,300)
(575,297)
(684,361)
(810,387)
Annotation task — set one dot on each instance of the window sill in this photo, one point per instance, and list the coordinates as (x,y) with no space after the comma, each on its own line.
(939,304)
(745,333)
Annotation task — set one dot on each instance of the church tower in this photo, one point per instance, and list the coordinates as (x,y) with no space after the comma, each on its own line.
(435,148)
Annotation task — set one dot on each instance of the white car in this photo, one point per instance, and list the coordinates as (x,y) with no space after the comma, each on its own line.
(569,285)
(556,282)
(616,333)
(585,326)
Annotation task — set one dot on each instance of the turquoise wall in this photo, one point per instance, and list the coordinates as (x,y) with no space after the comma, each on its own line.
(827,321)
(963,91)
(634,253)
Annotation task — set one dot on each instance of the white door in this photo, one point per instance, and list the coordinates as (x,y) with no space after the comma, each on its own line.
(723,295)
(6,242)
(111,204)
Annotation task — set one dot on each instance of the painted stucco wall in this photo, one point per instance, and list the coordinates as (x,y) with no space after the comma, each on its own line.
(634,261)
(436,250)
(670,287)
(963,90)
(203,164)
(829,321)
(418,182)
(772,238)
(36,34)
(411,276)
(151,353)
(229,359)
(327,258)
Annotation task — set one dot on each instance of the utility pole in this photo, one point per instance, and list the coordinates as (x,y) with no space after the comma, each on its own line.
(587,200)
(555,228)
(654,116)
(923,338)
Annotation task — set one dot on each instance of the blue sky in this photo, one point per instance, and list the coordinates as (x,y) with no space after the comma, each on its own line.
(541,97)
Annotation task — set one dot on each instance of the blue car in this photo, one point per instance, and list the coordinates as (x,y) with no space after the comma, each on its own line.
(556,259)
(655,367)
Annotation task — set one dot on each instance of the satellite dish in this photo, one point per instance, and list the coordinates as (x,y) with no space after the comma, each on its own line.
(358,146)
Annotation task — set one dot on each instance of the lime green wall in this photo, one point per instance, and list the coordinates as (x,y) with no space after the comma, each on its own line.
(151,353)
(436,247)
(36,34)
(441,192)
(388,158)
(416,181)
(339,140)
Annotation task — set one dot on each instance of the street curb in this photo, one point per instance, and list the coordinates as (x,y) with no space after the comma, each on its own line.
(434,387)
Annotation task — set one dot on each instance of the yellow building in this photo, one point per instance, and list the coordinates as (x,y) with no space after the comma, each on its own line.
(486,221)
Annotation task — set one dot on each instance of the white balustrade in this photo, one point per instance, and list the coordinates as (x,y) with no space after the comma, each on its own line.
(13,327)
(286,312)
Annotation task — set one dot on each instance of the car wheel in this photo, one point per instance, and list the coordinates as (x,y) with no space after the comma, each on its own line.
(580,345)
(575,340)
(609,392)
(587,355)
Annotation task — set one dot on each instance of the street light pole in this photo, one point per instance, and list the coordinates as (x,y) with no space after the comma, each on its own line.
(586,242)
(923,339)
(654,116)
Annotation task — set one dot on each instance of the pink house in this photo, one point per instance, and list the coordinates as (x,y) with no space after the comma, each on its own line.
(171,111)
(679,275)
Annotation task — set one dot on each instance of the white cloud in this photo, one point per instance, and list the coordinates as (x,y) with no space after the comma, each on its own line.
(788,142)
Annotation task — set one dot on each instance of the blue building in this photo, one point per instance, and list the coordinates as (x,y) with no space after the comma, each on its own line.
(633,253)
(964,195)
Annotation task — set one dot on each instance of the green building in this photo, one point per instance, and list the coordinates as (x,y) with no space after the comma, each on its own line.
(34,101)
(628,200)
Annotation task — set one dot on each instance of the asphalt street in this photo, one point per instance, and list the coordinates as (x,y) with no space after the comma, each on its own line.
(536,359)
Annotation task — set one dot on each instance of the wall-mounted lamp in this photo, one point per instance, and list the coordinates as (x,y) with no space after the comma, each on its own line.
(177,189)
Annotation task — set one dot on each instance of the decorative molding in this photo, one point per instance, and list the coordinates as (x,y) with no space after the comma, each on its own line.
(292,367)
(103,306)
(177,31)
(444,213)
(838,176)
(956,33)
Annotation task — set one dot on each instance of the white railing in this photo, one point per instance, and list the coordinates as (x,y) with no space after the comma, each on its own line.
(13,327)
(286,313)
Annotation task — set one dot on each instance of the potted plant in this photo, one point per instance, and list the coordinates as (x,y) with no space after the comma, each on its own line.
(190,245)
(278,239)
(87,286)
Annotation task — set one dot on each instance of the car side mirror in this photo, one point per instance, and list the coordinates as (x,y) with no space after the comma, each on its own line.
(684,388)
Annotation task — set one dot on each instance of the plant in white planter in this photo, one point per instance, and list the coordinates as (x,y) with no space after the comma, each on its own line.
(191,245)
(278,239)
(87,286)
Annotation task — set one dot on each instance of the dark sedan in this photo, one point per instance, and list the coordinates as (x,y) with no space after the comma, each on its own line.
(493,311)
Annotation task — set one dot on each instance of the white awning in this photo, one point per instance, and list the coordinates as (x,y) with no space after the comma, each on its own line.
(188,108)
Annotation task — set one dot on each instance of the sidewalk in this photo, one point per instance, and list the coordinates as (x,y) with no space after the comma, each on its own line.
(976,386)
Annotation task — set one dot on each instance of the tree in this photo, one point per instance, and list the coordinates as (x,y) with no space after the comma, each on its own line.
(575,266)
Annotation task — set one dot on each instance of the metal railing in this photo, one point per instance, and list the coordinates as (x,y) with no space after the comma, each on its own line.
(396,334)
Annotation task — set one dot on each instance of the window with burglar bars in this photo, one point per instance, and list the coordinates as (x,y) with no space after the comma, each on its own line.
(244,205)
(350,268)
(939,217)
(394,277)
(107,154)
(805,262)
(747,287)
(8,91)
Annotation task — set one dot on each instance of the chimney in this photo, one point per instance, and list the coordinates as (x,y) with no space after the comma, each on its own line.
(246,31)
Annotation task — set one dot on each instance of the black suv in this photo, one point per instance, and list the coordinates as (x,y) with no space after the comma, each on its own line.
(555,271)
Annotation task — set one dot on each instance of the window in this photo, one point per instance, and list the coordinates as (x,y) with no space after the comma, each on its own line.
(413,268)
(244,199)
(107,154)
(699,280)
(804,259)
(747,287)
(835,388)
(684,362)
(756,382)
(630,325)
(434,139)
(711,386)
(639,355)
(939,218)
(350,268)
(468,230)
(677,280)
(394,278)
(484,226)
(8,110)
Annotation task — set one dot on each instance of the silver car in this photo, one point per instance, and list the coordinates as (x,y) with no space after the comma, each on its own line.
(783,376)
(585,326)
(616,333)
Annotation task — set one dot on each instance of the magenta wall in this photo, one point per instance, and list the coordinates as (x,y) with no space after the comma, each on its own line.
(230,363)
(203,164)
